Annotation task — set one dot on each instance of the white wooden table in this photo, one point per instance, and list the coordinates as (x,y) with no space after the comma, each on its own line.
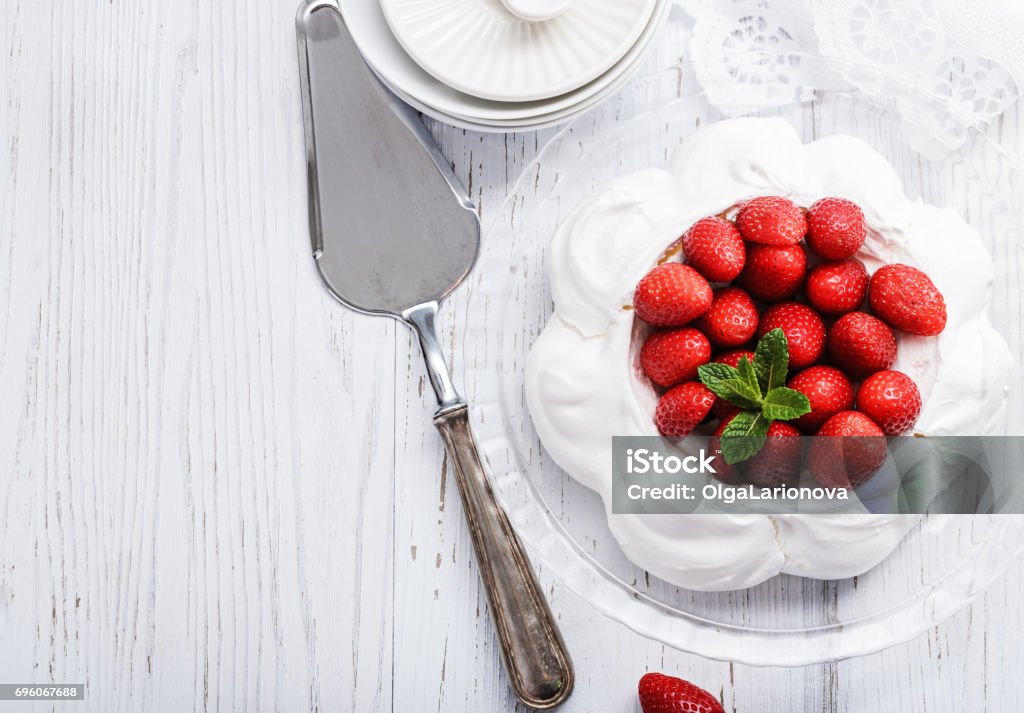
(221,491)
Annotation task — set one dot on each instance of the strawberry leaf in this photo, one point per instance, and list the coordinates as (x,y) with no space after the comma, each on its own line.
(783,404)
(771,360)
(743,437)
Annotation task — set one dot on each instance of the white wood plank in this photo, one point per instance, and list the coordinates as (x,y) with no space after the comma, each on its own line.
(196,432)
(221,491)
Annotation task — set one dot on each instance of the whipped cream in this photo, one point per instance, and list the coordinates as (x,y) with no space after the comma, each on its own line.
(583,385)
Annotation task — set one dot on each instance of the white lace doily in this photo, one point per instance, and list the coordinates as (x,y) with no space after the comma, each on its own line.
(965,55)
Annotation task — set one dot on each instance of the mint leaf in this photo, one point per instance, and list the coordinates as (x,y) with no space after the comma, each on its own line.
(771,360)
(783,404)
(727,383)
(743,437)
(738,393)
(748,374)
(713,373)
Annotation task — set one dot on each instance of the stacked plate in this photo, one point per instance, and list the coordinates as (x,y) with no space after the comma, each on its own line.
(504,65)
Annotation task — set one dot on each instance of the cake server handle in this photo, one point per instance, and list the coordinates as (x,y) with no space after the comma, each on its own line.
(535,656)
(534,653)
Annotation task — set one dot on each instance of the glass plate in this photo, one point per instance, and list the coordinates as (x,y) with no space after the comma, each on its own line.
(942,565)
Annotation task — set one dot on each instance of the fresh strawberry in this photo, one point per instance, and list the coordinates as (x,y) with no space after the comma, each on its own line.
(733,358)
(772,220)
(715,249)
(722,408)
(835,288)
(835,228)
(848,449)
(777,464)
(906,298)
(890,399)
(774,272)
(829,392)
(724,471)
(672,356)
(667,694)
(672,295)
(732,319)
(682,408)
(804,330)
(860,345)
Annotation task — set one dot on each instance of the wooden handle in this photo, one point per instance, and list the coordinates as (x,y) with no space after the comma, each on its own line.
(535,655)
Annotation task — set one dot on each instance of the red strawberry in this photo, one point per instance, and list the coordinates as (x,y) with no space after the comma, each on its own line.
(860,344)
(667,694)
(724,471)
(907,299)
(804,330)
(891,399)
(715,249)
(722,408)
(835,288)
(848,450)
(772,220)
(682,408)
(732,319)
(672,357)
(829,392)
(672,295)
(835,228)
(777,464)
(774,272)
(733,358)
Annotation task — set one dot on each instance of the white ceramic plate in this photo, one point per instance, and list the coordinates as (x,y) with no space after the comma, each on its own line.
(533,124)
(480,48)
(549,119)
(383,52)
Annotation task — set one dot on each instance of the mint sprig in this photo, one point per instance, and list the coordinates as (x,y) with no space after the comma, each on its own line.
(759,390)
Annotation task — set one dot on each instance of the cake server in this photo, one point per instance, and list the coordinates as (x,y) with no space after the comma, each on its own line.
(393,233)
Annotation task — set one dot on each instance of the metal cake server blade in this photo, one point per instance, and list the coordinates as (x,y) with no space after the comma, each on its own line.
(393,233)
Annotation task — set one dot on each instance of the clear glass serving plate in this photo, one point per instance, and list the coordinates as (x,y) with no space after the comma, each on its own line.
(943,564)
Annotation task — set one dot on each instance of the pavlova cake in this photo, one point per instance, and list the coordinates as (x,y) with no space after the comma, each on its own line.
(672,290)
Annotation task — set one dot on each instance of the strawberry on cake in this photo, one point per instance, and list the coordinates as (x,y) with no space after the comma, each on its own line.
(766,289)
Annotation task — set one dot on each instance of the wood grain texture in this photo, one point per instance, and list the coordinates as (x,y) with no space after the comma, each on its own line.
(221,491)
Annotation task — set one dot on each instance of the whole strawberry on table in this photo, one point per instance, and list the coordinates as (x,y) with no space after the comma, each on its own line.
(772,326)
(667,694)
